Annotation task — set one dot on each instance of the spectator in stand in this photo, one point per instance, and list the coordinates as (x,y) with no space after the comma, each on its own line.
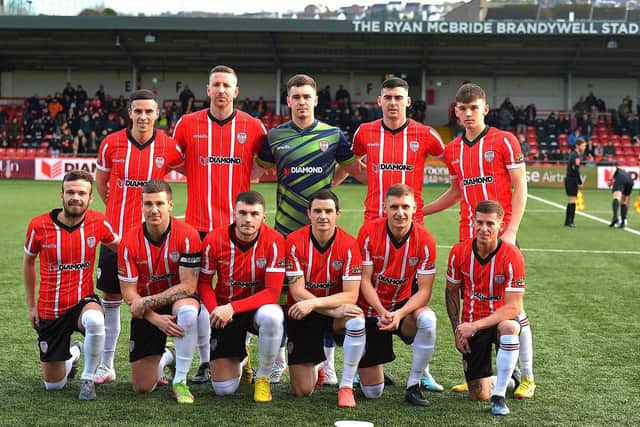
(591,101)
(563,123)
(261,108)
(14,132)
(551,124)
(530,114)
(524,146)
(81,95)
(598,151)
(609,149)
(343,98)
(507,105)
(589,152)
(324,99)
(96,103)
(580,107)
(586,126)
(66,141)
(504,118)
(573,122)
(100,94)
(577,134)
(174,113)
(187,98)
(519,120)
(69,91)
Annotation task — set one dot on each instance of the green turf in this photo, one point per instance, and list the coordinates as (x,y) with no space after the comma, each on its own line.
(580,303)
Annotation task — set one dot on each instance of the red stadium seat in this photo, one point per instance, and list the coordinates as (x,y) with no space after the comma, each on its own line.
(21,152)
(42,152)
(31,152)
(3,151)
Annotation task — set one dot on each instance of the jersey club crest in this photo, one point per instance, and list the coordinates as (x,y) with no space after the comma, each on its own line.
(159,162)
(174,256)
(91,241)
(414,145)
(261,262)
(324,146)
(337,265)
(242,137)
(489,156)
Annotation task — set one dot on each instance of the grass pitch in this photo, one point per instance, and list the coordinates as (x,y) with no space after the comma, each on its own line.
(582,295)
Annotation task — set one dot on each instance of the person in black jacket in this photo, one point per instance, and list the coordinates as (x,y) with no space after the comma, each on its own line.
(573,181)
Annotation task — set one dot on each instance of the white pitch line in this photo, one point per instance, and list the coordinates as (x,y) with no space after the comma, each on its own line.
(586,215)
(566,251)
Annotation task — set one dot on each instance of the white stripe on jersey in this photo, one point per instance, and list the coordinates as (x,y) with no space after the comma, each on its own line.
(464,189)
(232,265)
(380,180)
(206,268)
(274,261)
(403,271)
(28,249)
(82,255)
(452,279)
(473,285)
(231,155)
(367,253)
(404,155)
(347,269)
(209,154)
(124,188)
(493,266)
(166,258)
(59,272)
(327,290)
(147,249)
(103,168)
(481,164)
(310,260)
(298,271)
(436,135)
(253,269)
(512,158)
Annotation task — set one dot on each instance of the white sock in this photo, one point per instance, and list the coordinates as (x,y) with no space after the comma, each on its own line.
(224,388)
(75,355)
(204,334)
(269,319)
(354,342)
(186,345)
(423,345)
(329,354)
(94,336)
(247,338)
(59,385)
(111,331)
(166,359)
(506,362)
(526,346)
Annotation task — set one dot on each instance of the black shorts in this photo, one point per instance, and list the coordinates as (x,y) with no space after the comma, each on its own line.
(571,187)
(230,340)
(623,185)
(108,271)
(306,338)
(146,339)
(477,364)
(379,346)
(54,336)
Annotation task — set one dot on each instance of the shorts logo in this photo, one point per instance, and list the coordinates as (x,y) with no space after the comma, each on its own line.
(499,279)
(44,346)
(214,344)
(489,156)
(159,162)
(91,242)
(241,137)
(99,273)
(336,265)
(356,269)
(519,157)
(431,266)
(414,145)
(324,146)
(261,263)
(465,366)
(290,347)
(174,256)
(132,346)
(413,261)
(519,283)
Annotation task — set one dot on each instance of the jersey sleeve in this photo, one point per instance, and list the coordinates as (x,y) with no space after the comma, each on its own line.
(454,273)
(435,146)
(352,265)
(511,152)
(174,154)
(180,137)
(344,155)
(516,272)
(427,257)
(261,137)
(265,156)
(448,160)
(127,266)
(190,255)
(292,257)
(364,243)
(359,148)
(32,241)
(103,162)
(107,235)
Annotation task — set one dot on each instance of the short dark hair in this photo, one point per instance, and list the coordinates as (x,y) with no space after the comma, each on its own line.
(324,194)
(489,207)
(300,80)
(399,190)
(251,198)
(223,69)
(394,82)
(77,175)
(580,141)
(157,186)
(142,94)
(469,92)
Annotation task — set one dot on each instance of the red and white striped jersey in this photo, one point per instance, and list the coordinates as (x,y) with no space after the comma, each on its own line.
(395,264)
(485,280)
(324,268)
(67,256)
(482,168)
(250,274)
(131,165)
(395,157)
(154,265)
(218,160)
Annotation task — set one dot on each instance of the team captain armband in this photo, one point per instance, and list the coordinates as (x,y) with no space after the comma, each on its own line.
(191,260)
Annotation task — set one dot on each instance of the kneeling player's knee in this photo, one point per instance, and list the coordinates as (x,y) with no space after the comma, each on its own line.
(93,322)
(57,385)
(301,391)
(426,319)
(372,391)
(509,327)
(187,317)
(355,324)
(225,388)
(269,316)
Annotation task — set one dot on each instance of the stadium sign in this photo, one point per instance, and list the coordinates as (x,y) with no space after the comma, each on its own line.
(606,172)
(500,27)
(16,168)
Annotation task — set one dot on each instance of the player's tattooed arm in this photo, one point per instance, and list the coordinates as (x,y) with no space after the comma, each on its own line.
(292,280)
(163,299)
(452,300)
(186,288)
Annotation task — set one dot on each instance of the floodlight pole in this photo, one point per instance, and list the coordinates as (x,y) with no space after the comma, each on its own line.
(278,83)
(423,86)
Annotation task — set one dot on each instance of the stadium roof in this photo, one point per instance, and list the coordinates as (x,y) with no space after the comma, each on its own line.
(461,48)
